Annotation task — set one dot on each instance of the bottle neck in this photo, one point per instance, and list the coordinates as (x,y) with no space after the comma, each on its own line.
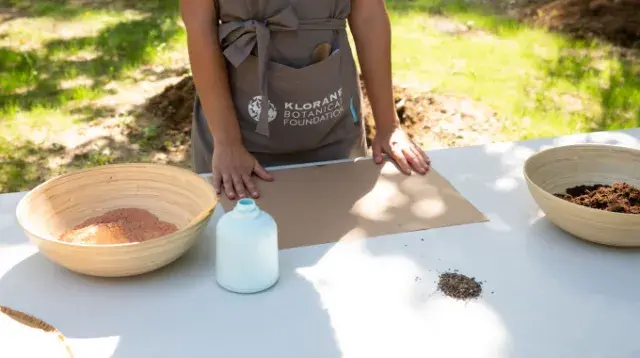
(246,208)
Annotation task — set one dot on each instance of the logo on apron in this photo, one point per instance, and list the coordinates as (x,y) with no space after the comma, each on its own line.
(327,108)
(255,107)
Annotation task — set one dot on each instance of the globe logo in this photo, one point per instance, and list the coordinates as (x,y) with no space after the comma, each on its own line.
(255,108)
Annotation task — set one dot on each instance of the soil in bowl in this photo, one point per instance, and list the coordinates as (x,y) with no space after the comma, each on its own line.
(459,286)
(619,197)
(119,226)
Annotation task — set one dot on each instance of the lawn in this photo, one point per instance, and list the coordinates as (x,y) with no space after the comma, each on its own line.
(69,71)
(73,72)
(541,83)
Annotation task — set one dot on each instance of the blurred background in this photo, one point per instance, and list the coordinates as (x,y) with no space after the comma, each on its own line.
(92,82)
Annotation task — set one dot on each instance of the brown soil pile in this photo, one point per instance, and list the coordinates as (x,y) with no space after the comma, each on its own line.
(617,21)
(459,286)
(432,120)
(119,226)
(438,120)
(619,197)
(173,107)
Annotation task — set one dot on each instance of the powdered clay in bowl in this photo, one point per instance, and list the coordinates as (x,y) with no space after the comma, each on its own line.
(119,226)
(117,220)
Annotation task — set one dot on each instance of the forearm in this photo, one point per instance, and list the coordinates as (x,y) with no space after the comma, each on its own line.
(209,70)
(371,29)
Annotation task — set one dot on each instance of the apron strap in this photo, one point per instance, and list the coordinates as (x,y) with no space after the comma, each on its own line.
(240,37)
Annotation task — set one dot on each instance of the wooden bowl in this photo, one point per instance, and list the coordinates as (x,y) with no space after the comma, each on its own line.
(554,170)
(173,194)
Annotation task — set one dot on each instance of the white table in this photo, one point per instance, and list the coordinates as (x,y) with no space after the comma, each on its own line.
(546,294)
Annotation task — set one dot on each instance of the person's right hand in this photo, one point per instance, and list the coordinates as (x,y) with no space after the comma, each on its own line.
(232,167)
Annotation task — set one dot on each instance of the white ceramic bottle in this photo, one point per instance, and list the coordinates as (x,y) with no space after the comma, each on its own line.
(246,249)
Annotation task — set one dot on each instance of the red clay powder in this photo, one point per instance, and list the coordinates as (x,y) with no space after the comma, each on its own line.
(119,226)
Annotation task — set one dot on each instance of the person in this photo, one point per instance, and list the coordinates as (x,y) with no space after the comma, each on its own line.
(277,84)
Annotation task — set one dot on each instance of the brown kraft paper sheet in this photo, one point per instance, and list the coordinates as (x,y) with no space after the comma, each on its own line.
(351,200)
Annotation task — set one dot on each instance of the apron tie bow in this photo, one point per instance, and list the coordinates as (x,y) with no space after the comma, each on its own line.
(238,39)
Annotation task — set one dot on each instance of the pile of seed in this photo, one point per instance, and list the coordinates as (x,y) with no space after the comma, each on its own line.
(459,286)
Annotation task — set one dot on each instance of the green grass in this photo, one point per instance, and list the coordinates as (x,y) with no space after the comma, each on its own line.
(46,77)
(541,83)
(56,59)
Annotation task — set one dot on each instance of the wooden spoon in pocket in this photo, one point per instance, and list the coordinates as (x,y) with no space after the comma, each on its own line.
(321,52)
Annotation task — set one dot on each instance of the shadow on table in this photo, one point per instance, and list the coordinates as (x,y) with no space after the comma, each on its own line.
(148,318)
(12,233)
(192,315)
(528,322)
(592,269)
(10,230)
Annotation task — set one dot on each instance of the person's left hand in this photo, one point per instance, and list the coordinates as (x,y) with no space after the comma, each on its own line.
(395,142)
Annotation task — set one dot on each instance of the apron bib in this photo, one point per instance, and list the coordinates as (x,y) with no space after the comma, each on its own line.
(314,109)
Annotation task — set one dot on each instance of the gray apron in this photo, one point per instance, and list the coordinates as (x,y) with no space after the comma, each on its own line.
(314,109)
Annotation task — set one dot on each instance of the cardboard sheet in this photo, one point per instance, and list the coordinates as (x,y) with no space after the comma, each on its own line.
(330,203)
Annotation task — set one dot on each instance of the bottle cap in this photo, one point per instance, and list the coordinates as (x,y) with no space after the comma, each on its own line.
(246,208)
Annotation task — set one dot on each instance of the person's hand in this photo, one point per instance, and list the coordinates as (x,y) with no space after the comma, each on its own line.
(232,167)
(395,142)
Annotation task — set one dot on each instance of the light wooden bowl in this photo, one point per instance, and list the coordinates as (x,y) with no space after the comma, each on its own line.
(173,194)
(554,170)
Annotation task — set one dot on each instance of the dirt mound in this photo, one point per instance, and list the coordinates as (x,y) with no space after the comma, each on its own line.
(617,21)
(173,107)
(432,120)
(436,120)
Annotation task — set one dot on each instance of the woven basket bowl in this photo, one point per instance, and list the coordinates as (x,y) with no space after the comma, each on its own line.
(554,170)
(173,194)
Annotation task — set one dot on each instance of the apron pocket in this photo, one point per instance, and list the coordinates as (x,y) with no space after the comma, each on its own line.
(308,106)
